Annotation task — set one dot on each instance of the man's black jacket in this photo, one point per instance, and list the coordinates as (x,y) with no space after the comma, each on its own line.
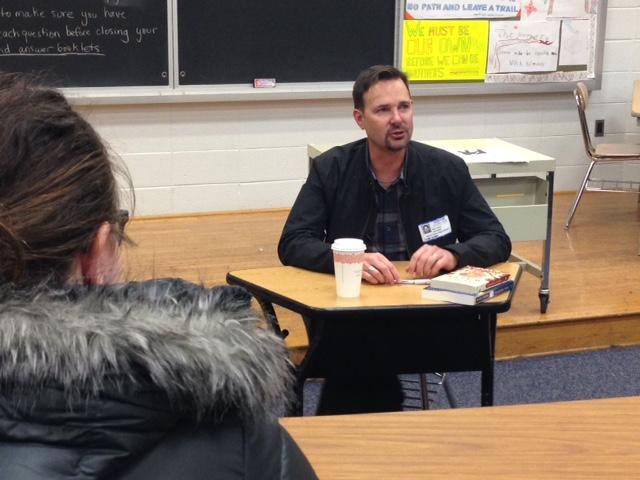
(338,200)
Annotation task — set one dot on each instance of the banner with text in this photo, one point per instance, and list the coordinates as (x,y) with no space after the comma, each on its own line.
(445,50)
(434,9)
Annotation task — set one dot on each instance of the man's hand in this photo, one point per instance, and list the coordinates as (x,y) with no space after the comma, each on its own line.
(429,261)
(378,269)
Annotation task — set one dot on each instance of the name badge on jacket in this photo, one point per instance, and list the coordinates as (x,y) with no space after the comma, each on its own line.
(435,228)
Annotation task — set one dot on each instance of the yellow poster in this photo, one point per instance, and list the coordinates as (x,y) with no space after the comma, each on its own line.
(445,50)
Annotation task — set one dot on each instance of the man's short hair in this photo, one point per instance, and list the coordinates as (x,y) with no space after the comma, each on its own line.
(372,75)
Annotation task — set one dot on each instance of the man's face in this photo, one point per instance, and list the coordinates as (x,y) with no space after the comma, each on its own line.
(387,116)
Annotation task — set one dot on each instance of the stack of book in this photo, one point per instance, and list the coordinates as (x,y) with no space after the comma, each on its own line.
(468,285)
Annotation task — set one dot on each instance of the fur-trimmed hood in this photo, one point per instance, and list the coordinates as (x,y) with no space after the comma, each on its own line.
(203,349)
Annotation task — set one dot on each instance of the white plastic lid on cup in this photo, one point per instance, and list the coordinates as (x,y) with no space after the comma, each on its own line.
(348,245)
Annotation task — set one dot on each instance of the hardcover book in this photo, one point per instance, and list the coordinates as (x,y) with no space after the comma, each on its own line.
(430,293)
(469,279)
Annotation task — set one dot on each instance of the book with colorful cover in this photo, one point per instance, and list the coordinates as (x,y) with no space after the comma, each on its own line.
(430,293)
(471,280)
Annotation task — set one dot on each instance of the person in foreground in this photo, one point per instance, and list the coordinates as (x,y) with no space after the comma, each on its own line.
(160,379)
(406,200)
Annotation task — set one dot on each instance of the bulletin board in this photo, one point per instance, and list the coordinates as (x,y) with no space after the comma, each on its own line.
(485,46)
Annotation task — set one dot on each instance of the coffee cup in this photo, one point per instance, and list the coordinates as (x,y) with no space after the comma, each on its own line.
(348,255)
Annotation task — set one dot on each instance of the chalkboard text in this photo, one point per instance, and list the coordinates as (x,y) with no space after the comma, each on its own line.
(71,31)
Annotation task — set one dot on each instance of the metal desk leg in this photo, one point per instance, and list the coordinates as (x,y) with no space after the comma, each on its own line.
(486,399)
(271,318)
(544,292)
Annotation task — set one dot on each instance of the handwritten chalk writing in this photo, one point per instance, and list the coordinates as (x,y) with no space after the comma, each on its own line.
(121,14)
(33,13)
(81,31)
(61,15)
(123,33)
(30,35)
(31,50)
(87,43)
(86,16)
(141,32)
(76,31)
(77,48)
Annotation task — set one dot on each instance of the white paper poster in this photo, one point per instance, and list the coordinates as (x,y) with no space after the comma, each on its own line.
(569,8)
(534,10)
(574,49)
(434,9)
(508,78)
(523,46)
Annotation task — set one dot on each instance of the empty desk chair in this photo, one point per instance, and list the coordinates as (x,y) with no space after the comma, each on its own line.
(602,153)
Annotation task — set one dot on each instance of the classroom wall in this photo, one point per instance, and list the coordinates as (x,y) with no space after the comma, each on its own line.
(206,157)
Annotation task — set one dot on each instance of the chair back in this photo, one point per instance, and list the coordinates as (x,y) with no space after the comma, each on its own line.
(581,93)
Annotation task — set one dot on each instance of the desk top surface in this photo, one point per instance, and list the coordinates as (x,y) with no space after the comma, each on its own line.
(587,439)
(318,290)
(499,156)
(635,105)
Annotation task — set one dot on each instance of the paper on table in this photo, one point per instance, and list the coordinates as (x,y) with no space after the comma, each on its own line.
(484,155)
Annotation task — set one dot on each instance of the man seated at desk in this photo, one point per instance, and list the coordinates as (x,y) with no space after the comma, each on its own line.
(406,200)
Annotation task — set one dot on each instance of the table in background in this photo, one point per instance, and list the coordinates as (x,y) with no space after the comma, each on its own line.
(586,439)
(389,329)
(635,105)
(520,192)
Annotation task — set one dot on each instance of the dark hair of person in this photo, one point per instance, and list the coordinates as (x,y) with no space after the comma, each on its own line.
(372,75)
(57,182)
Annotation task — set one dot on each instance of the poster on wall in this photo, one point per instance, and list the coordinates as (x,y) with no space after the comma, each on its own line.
(574,49)
(499,41)
(438,9)
(448,50)
(523,47)
(568,9)
(534,10)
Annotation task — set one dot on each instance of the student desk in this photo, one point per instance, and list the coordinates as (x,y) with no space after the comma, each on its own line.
(598,439)
(390,329)
(518,185)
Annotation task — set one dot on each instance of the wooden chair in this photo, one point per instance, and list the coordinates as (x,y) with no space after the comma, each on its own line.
(600,154)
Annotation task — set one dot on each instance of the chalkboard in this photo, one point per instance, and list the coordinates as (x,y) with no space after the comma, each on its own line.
(86,43)
(236,41)
(448,47)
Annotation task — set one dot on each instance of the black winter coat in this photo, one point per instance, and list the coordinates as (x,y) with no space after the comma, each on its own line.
(154,380)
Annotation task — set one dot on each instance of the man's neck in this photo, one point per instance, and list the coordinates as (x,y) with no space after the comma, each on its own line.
(386,164)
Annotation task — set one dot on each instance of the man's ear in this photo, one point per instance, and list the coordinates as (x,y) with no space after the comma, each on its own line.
(357,116)
(101,264)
